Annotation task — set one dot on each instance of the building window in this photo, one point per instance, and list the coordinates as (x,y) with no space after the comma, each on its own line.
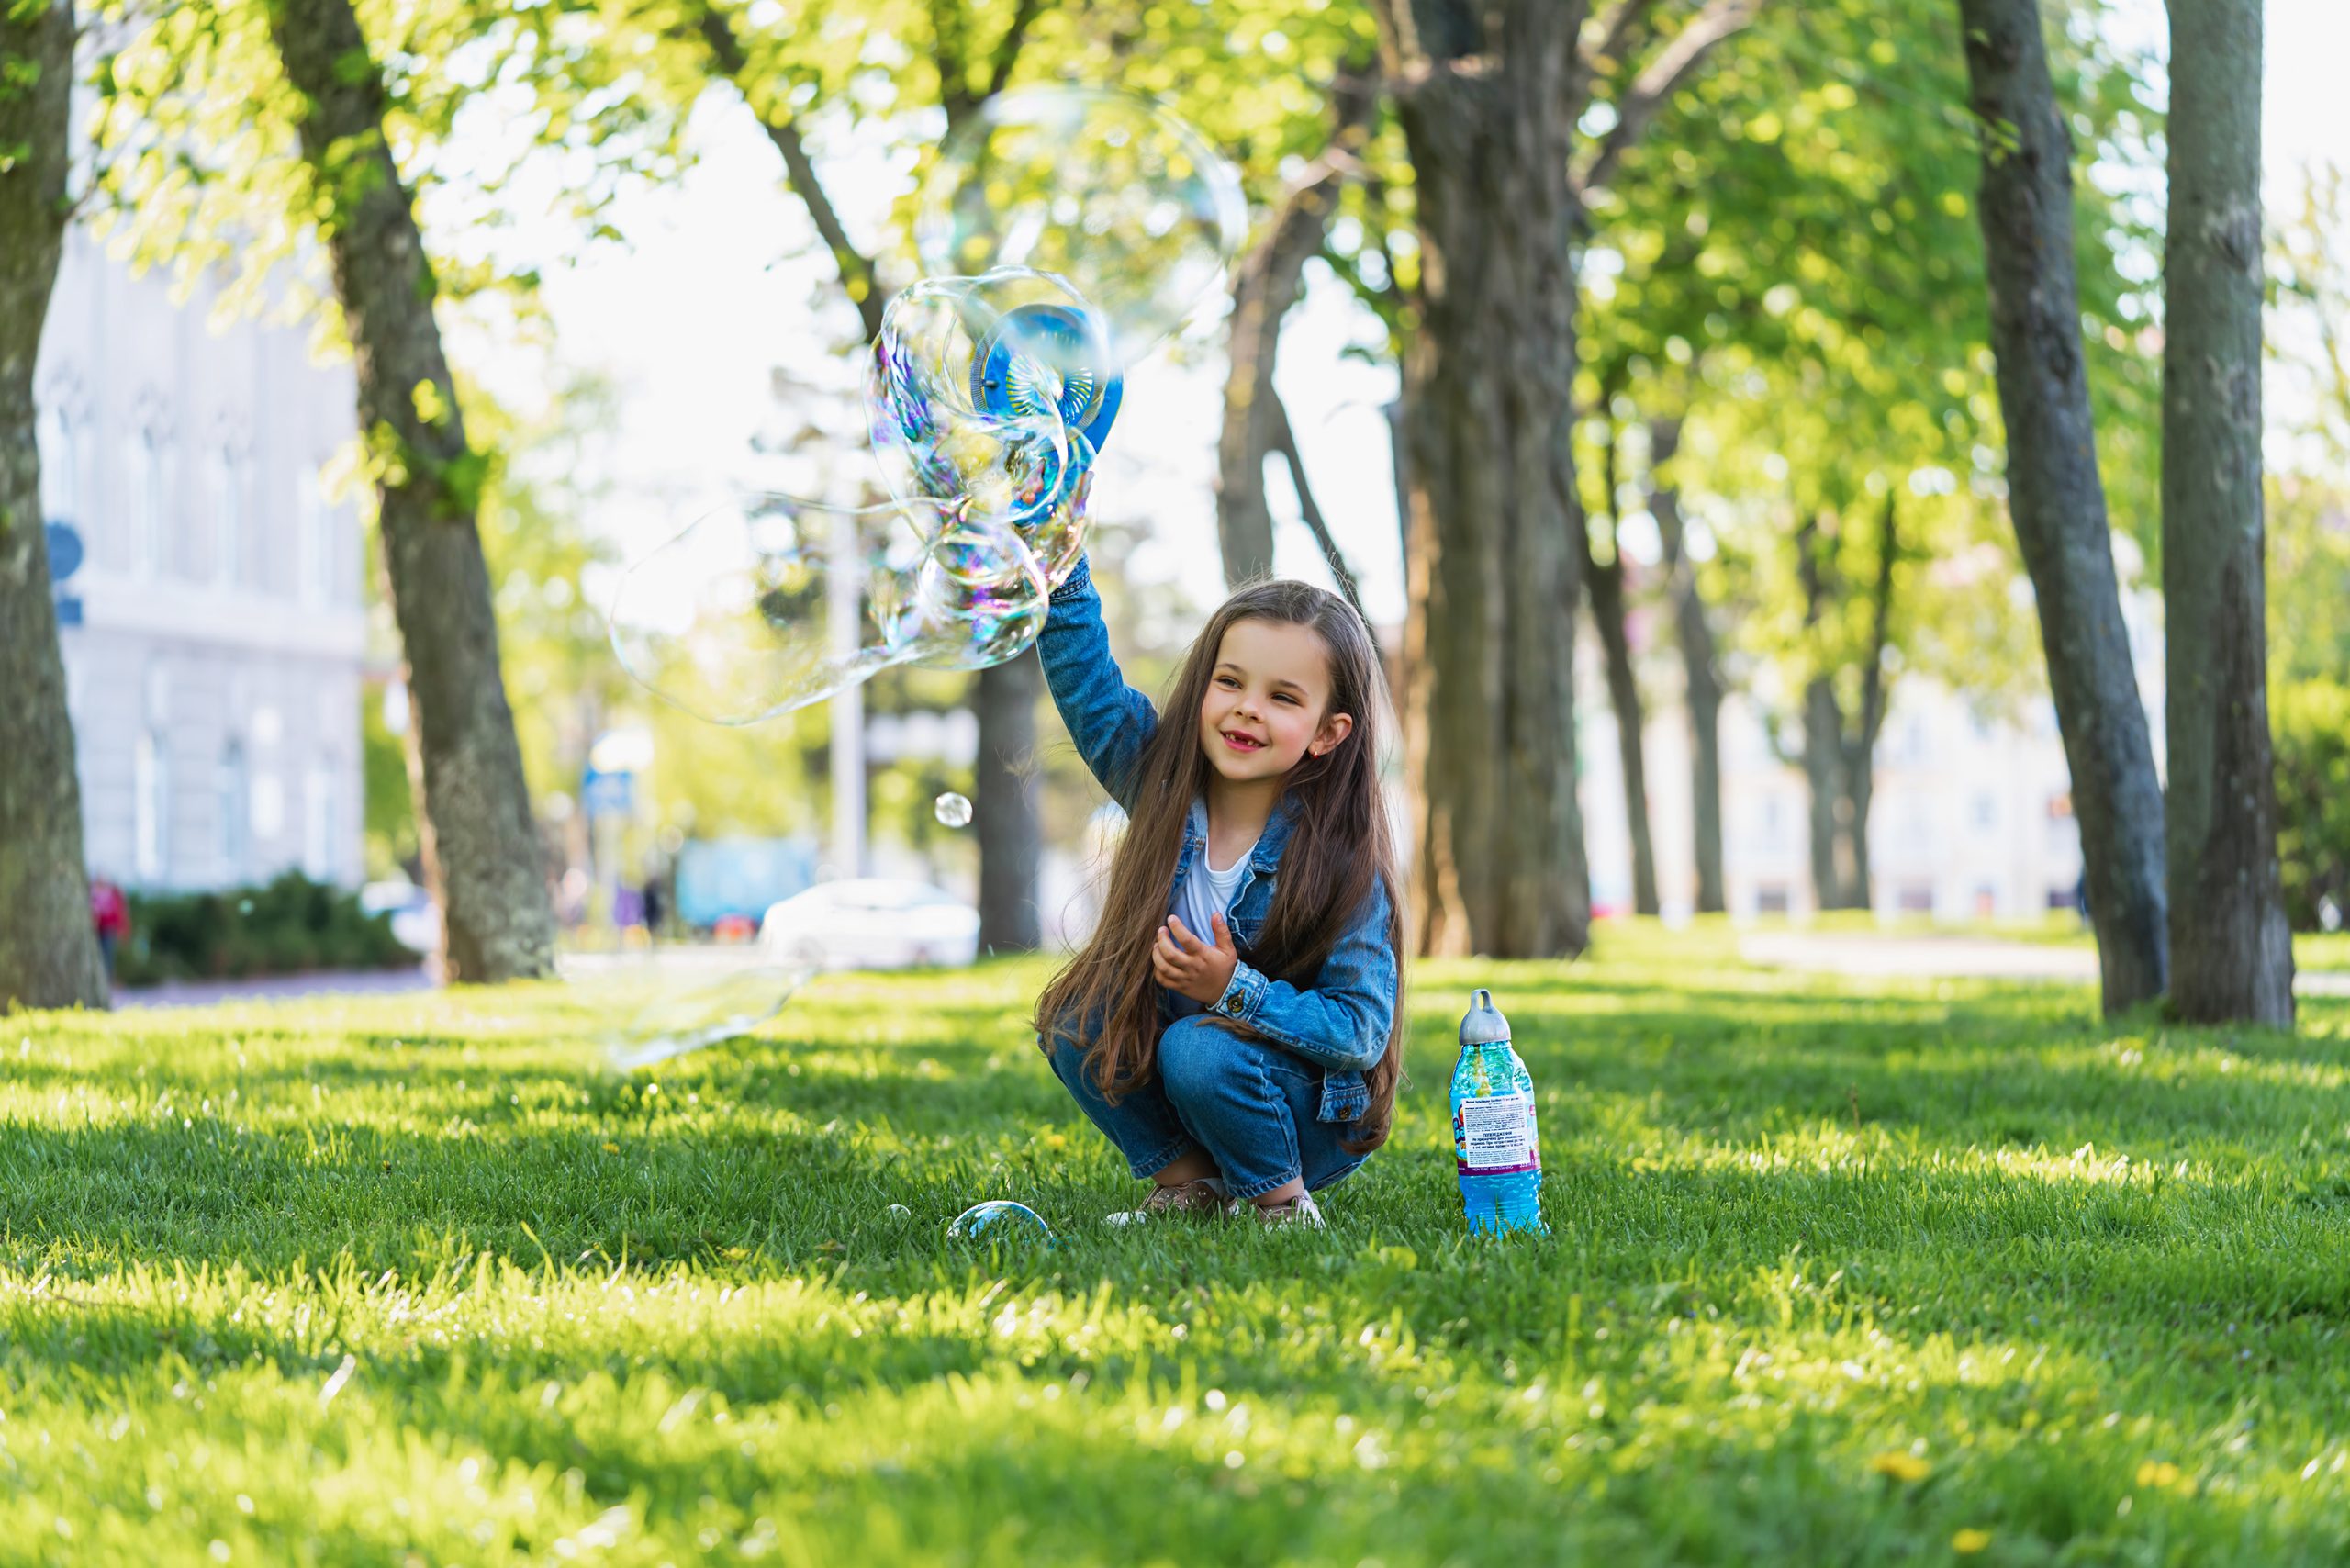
(225,478)
(61,468)
(1986,811)
(148,484)
(236,813)
(1916,898)
(1771,898)
(315,519)
(151,783)
(318,825)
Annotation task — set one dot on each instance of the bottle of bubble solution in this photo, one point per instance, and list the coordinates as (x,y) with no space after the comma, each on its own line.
(1493,1145)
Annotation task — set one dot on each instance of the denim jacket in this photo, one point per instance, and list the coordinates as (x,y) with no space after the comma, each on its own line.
(1342,1020)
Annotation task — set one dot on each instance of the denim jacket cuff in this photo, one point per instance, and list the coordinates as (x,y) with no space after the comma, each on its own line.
(1079,582)
(1244,996)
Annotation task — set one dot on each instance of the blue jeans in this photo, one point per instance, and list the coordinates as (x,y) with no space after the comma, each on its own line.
(1252,1107)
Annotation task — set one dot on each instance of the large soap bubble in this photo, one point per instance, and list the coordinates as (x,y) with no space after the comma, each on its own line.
(1102,189)
(721,1008)
(988,397)
(769,602)
(995,391)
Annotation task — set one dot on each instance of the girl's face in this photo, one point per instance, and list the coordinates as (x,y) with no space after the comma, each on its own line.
(1268,702)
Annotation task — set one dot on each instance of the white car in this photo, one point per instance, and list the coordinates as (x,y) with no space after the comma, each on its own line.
(416,918)
(872,923)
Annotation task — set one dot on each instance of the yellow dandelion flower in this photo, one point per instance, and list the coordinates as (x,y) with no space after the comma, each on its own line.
(1967,1542)
(2157,1473)
(1900,1465)
(611,1148)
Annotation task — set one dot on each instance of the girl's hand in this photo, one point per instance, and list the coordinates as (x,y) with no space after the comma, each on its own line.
(1188,966)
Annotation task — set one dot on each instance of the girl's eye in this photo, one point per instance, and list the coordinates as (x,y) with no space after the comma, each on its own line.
(1285,697)
(1227,682)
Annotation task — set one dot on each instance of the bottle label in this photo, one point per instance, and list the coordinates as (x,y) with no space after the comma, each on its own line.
(1493,1136)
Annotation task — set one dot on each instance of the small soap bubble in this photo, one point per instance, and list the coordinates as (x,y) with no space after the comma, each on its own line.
(1000,1219)
(899,1211)
(952,810)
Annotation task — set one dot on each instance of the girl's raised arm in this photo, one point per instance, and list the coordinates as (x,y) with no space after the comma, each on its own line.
(1110,721)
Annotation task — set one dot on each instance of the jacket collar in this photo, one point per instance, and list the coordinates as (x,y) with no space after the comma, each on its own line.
(1267,856)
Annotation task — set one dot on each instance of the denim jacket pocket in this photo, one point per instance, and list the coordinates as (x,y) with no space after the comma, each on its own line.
(1345,1096)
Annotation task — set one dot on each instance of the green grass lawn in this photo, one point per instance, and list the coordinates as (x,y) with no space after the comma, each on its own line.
(1840,1275)
(2330,951)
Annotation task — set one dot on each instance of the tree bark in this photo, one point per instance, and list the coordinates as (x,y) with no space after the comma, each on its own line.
(480,845)
(48,950)
(1605,584)
(1488,397)
(1860,748)
(2056,495)
(1702,680)
(1264,286)
(2232,953)
(1003,697)
(1826,780)
(1003,804)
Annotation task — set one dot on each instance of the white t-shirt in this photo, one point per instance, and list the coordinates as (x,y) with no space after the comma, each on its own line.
(1205,894)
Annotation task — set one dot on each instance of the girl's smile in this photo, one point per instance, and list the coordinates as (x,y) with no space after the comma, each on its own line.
(1267,703)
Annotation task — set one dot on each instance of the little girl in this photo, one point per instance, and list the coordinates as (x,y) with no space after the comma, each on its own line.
(1232,1024)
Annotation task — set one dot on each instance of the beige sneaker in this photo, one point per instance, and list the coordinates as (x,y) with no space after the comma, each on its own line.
(1300,1211)
(1198,1197)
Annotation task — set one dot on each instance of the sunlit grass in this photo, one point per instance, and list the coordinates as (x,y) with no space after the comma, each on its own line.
(1841,1272)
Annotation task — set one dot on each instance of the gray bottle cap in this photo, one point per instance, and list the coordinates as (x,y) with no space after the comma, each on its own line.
(1483,1023)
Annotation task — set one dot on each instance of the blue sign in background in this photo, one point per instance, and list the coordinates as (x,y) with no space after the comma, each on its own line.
(608,794)
(64,551)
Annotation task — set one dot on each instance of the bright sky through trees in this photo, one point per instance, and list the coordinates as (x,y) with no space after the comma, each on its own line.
(689,324)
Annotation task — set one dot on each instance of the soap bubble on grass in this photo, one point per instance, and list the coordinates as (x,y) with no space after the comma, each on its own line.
(1000,1219)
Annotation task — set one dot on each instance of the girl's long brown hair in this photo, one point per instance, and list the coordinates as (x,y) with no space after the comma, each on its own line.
(1339,847)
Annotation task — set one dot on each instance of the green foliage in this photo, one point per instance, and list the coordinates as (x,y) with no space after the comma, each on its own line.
(390,827)
(1837,1273)
(1791,263)
(2309,721)
(2309,549)
(291,925)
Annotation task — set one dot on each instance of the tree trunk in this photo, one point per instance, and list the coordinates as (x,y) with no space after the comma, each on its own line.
(480,845)
(1489,379)
(1860,748)
(1824,773)
(2055,494)
(1606,586)
(1003,804)
(2231,953)
(1264,286)
(1702,680)
(1823,776)
(1003,698)
(48,950)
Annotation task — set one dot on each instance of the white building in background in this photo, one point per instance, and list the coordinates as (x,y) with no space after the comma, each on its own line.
(1972,817)
(214,673)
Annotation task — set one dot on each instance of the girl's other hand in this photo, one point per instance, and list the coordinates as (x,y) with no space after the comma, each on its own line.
(1188,966)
